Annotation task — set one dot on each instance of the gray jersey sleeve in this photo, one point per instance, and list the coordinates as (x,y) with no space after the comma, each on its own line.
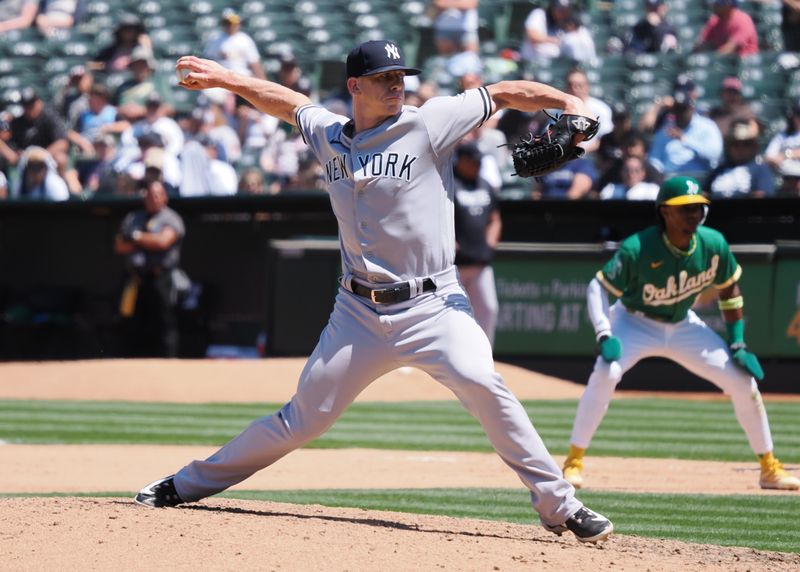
(448,119)
(320,129)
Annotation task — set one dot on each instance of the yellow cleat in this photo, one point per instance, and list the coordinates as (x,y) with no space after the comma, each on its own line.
(573,467)
(774,476)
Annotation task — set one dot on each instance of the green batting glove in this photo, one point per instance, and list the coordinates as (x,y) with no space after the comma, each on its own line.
(611,348)
(747,361)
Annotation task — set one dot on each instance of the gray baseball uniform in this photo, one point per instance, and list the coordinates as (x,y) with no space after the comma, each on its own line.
(392,193)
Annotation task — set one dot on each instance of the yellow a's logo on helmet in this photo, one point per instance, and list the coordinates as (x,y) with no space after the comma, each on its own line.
(677,191)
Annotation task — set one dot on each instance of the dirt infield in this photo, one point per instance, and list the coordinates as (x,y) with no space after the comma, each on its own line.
(99,534)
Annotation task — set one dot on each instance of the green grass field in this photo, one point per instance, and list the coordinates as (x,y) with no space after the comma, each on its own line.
(660,428)
(666,428)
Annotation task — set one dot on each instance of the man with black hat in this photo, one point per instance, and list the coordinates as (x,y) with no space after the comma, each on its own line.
(652,34)
(40,126)
(390,180)
(687,143)
(128,35)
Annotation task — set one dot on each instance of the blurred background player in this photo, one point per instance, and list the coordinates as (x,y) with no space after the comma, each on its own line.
(478,227)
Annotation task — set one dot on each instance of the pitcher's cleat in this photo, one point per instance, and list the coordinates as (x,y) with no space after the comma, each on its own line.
(586,525)
(159,494)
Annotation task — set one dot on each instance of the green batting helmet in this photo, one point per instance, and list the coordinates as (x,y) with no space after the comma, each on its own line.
(678,191)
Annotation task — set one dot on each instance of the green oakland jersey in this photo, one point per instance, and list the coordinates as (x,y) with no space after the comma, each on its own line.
(652,276)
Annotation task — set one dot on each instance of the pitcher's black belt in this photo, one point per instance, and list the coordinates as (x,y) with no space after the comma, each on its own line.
(390,295)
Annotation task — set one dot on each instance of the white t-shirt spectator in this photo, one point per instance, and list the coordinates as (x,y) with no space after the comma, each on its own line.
(539,53)
(236,52)
(579,46)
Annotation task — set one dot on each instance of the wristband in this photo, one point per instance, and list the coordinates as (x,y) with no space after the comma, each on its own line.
(731,303)
(602,334)
(735,332)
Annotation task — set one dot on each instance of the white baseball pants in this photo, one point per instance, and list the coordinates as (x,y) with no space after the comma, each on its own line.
(435,333)
(692,344)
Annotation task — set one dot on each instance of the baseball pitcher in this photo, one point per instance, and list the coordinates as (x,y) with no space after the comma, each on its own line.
(389,175)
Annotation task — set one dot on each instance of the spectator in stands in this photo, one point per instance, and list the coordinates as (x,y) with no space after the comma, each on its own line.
(728,30)
(653,34)
(55,15)
(309,176)
(233,48)
(653,119)
(151,154)
(291,76)
(7,153)
(17,14)
(39,125)
(783,151)
(131,96)
(282,155)
(156,119)
(577,43)
(3,186)
(634,185)
(203,172)
(496,162)
(633,145)
(193,123)
(73,98)
(151,240)
(543,31)
(688,144)
(574,180)
(743,172)
(411,94)
(577,84)
(255,129)
(99,176)
(732,105)
(609,152)
(477,229)
(127,186)
(252,182)
(790,24)
(129,34)
(94,120)
(38,177)
(455,25)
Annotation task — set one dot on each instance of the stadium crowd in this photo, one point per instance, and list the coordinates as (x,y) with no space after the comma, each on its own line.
(116,122)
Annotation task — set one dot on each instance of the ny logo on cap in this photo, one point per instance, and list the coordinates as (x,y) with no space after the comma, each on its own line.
(392,51)
(692,188)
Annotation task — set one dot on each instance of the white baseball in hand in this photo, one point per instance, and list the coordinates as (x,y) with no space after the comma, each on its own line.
(182,73)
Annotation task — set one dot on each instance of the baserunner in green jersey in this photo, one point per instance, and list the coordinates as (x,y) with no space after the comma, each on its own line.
(656,275)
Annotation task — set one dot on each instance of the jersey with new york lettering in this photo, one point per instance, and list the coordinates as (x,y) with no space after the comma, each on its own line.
(391,187)
(652,276)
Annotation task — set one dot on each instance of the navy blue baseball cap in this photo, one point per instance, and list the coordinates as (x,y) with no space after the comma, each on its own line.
(377,56)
